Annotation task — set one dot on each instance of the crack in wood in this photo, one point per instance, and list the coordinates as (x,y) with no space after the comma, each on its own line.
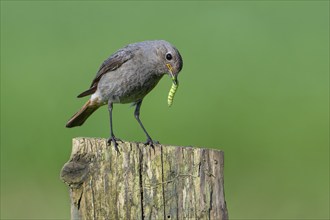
(140,179)
(79,200)
(163,190)
(93,198)
(152,186)
(211,202)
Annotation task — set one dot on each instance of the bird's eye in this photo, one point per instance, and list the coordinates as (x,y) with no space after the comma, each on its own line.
(169,56)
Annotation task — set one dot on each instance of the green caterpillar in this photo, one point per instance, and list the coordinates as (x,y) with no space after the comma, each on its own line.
(171,94)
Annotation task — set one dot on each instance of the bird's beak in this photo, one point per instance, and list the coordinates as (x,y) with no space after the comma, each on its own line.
(174,78)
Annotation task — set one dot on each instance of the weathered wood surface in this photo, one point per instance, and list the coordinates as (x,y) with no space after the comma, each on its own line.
(166,182)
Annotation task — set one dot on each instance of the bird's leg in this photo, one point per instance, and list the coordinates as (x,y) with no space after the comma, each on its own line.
(112,136)
(137,116)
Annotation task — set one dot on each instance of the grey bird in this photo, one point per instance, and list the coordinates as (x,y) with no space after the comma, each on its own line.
(127,76)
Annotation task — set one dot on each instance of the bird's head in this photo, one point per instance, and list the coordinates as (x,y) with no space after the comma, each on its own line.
(170,59)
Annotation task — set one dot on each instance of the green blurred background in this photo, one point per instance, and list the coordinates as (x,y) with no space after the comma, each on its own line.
(254,84)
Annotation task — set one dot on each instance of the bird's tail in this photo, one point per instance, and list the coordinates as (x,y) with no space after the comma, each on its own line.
(81,116)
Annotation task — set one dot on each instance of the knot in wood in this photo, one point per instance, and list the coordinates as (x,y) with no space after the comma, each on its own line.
(74,173)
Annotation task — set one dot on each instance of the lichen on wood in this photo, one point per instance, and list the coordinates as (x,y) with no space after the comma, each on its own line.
(140,182)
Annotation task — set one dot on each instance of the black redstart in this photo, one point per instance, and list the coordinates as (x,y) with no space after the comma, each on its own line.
(127,76)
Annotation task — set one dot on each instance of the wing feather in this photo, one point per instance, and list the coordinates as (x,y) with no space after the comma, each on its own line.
(109,65)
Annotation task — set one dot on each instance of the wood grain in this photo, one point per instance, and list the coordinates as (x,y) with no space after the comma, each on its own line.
(139,182)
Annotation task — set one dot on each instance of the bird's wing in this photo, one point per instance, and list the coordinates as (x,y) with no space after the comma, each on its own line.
(112,63)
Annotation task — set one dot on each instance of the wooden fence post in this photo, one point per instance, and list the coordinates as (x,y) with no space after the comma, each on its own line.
(166,182)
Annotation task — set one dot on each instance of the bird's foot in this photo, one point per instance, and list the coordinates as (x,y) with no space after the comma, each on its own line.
(151,143)
(114,140)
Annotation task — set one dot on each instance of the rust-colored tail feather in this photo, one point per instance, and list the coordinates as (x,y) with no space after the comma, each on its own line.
(81,116)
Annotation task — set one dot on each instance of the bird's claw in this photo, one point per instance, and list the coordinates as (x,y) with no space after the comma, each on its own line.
(151,143)
(114,140)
